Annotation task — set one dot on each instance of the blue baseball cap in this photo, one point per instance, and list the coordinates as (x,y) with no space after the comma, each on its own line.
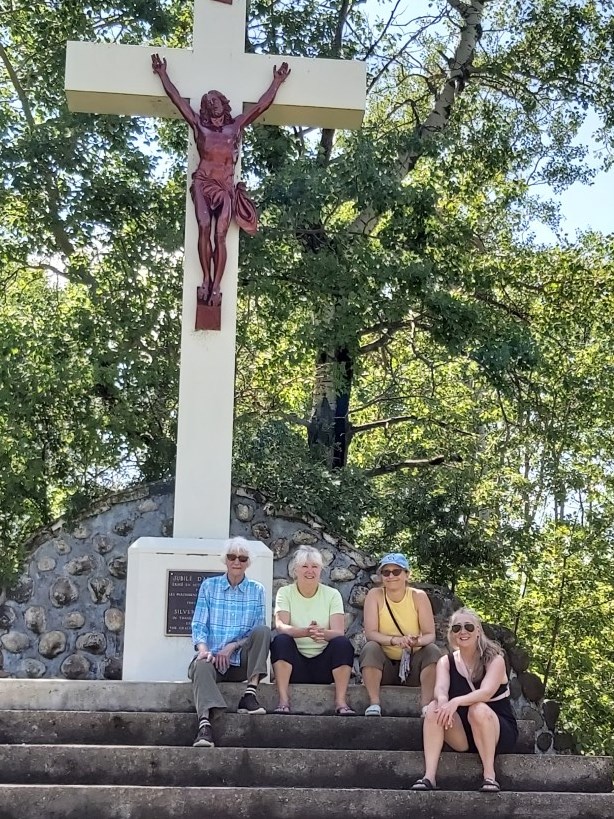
(395,558)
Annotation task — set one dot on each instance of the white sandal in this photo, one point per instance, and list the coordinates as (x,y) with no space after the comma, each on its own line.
(374,710)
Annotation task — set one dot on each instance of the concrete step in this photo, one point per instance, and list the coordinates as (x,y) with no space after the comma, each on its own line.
(274,768)
(102,695)
(231,730)
(125,802)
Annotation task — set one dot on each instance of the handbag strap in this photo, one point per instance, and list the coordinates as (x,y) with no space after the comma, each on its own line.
(394,619)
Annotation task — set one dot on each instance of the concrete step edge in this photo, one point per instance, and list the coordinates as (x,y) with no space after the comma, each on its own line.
(125,802)
(238,767)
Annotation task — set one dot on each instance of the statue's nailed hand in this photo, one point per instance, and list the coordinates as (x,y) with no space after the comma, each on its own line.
(282,73)
(158,65)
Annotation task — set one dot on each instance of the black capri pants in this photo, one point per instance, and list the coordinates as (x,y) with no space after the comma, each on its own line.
(319,669)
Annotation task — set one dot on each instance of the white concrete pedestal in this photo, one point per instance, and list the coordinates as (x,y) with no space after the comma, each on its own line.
(150,654)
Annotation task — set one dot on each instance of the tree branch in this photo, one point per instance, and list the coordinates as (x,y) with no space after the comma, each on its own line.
(415,463)
(459,68)
(399,419)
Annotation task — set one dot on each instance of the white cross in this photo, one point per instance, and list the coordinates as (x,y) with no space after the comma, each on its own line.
(109,78)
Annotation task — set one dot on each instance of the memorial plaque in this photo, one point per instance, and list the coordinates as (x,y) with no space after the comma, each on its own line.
(181,593)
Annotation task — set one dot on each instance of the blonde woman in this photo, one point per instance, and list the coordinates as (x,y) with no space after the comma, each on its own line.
(310,646)
(400,630)
(472,710)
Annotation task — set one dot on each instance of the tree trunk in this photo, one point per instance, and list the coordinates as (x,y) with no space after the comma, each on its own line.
(329,426)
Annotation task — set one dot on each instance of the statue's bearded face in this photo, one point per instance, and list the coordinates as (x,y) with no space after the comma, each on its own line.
(212,106)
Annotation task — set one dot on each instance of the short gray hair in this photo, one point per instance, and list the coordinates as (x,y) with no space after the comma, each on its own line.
(304,555)
(239,545)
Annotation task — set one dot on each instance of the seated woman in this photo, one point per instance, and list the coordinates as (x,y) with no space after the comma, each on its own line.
(400,630)
(472,710)
(310,646)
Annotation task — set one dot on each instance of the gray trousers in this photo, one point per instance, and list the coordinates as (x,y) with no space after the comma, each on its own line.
(205,676)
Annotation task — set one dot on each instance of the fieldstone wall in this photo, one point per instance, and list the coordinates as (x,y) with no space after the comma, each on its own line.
(65,615)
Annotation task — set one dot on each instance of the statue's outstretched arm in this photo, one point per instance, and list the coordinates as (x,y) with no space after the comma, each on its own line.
(280,75)
(159,67)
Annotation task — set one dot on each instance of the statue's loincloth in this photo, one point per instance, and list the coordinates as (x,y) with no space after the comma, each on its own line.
(243,209)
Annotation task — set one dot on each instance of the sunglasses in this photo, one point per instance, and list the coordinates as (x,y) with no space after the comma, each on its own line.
(240,558)
(388,572)
(470,627)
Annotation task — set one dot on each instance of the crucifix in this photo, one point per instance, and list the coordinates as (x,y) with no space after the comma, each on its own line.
(110,78)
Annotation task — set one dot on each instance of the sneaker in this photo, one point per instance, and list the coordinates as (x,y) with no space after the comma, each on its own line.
(248,704)
(204,737)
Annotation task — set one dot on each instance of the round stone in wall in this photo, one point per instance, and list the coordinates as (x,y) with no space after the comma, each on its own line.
(532,686)
(7,618)
(74,620)
(544,741)
(244,512)
(51,644)
(75,667)
(114,619)
(100,589)
(112,668)
(15,641)
(81,532)
(63,592)
(327,556)
(32,669)
(261,531)
(166,527)
(118,567)
(358,640)
(280,547)
(551,709)
(147,505)
(35,619)
(61,546)
(124,527)
(46,564)
(342,574)
(358,595)
(80,565)
(102,544)
(22,590)
(304,538)
(532,713)
(93,641)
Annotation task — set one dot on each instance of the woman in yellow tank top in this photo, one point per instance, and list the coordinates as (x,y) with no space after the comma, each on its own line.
(400,632)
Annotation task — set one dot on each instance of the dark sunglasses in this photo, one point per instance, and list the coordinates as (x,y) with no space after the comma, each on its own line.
(240,558)
(388,572)
(470,627)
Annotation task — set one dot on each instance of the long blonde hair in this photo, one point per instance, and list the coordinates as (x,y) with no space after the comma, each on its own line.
(487,649)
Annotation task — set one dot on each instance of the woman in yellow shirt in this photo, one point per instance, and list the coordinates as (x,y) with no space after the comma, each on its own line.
(400,632)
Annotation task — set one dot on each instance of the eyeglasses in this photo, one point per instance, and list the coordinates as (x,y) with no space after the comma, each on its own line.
(388,572)
(470,627)
(240,558)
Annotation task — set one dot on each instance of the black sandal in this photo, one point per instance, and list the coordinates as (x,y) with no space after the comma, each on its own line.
(490,786)
(423,784)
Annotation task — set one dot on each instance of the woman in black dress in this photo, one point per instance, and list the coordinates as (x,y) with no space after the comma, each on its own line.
(471,710)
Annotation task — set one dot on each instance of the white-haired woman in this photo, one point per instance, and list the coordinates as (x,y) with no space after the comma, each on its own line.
(471,710)
(310,646)
(230,638)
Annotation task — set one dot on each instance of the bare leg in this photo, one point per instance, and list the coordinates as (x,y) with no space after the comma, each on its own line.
(205,251)
(372,679)
(283,672)
(486,729)
(341,676)
(434,737)
(220,253)
(427,683)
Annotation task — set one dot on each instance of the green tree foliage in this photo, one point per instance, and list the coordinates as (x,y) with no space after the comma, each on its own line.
(412,366)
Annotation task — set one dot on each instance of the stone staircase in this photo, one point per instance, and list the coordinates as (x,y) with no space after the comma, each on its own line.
(122,750)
